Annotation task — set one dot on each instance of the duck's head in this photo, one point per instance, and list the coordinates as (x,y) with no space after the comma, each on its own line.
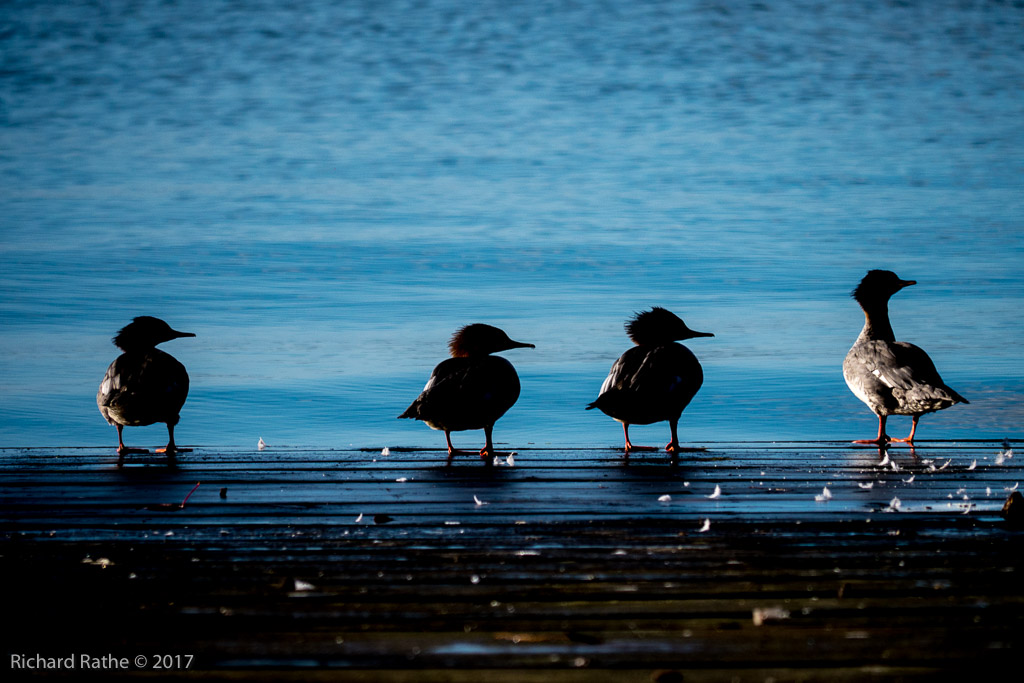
(877,286)
(479,340)
(145,332)
(659,326)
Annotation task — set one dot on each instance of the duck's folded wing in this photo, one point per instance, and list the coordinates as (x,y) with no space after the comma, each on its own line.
(465,393)
(911,375)
(624,371)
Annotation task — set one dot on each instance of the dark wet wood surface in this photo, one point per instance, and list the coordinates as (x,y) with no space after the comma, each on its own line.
(566,566)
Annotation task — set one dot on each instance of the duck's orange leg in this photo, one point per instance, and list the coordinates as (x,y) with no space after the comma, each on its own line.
(170,449)
(487,452)
(673,446)
(913,428)
(122,450)
(629,444)
(882,437)
(451,449)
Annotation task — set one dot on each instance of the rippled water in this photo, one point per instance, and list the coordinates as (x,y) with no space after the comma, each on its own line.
(323,192)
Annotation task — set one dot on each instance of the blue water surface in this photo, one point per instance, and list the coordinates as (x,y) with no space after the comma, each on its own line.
(323,192)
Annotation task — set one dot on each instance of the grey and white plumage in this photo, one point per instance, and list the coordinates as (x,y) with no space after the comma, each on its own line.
(655,380)
(144,385)
(891,377)
(472,389)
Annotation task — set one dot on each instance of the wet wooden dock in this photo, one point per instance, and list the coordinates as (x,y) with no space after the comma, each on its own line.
(748,562)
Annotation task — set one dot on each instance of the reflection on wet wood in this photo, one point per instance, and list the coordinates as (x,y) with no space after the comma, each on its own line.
(566,566)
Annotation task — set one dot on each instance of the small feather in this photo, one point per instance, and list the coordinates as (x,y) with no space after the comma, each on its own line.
(664,499)
(706,526)
(825,495)
(867,486)
(359,518)
(716,493)
(478,501)
(761,615)
(909,481)
(973,465)
(386,451)
(261,444)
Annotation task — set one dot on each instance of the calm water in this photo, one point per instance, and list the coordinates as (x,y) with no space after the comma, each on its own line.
(323,192)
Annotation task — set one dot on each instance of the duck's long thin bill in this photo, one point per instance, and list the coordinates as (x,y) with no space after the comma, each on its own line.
(182,334)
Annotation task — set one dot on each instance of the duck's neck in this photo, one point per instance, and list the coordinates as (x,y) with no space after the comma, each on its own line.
(876,323)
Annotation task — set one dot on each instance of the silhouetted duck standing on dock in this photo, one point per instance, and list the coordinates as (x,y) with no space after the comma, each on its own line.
(891,377)
(144,385)
(656,379)
(472,389)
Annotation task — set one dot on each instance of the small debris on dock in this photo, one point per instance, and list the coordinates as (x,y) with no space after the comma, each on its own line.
(763,614)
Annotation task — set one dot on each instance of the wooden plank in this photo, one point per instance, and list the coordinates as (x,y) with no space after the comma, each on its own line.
(573,568)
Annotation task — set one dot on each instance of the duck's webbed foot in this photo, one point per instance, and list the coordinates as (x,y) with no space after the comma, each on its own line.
(882,437)
(123,450)
(880,441)
(913,429)
(171,451)
(452,452)
(630,447)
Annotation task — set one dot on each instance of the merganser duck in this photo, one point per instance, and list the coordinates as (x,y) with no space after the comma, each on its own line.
(891,377)
(472,389)
(144,385)
(656,379)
